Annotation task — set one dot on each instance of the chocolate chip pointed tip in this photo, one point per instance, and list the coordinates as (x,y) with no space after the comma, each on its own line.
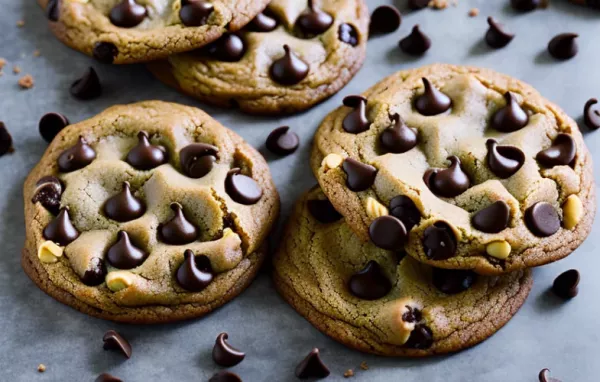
(146,156)
(496,36)
(127,14)
(61,230)
(313,21)
(370,283)
(385,19)
(178,230)
(561,153)
(115,341)
(87,87)
(432,101)
(591,114)
(398,138)
(76,157)
(356,121)
(289,69)
(504,161)
(566,284)
(511,117)
(563,46)
(224,354)
(359,176)
(51,124)
(282,141)
(123,254)
(416,43)
(123,206)
(6,141)
(449,182)
(195,273)
(544,376)
(312,366)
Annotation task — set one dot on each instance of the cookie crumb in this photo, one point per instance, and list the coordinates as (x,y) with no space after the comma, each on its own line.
(440,4)
(473,12)
(26,82)
(21,23)
(41,367)
(364,366)
(349,373)
(2,63)
(37,53)
(16,69)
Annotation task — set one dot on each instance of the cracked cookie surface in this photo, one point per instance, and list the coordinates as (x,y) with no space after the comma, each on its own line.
(149,212)
(479,169)
(380,302)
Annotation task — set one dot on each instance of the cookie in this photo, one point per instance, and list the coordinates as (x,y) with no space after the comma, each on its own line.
(129,31)
(289,58)
(379,301)
(589,3)
(477,168)
(149,212)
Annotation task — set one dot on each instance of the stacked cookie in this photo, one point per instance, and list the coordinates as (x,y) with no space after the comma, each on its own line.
(439,188)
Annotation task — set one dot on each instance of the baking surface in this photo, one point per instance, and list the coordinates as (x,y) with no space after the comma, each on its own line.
(547,332)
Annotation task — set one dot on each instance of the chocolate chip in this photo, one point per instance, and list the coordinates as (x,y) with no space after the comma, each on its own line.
(504,161)
(416,43)
(224,354)
(591,115)
(105,52)
(418,4)
(115,341)
(496,36)
(399,138)
(511,117)
(388,232)
(450,182)
(420,338)
(370,283)
(561,153)
(289,69)
(452,281)
(282,141)
(195,273)
(6,141)
(228,48)
(542,219)
(225,376)
(493,218)
(60,230)
(76,157)
(525,5)
(385,19)
(48,190)
(563,46)
(127,14)
(178,230)
(432,101)
(195,13)
(96,273)
(313,21)
(53,10)
(412,315)
(262,23)
(241,188)
(123,206)
(323,211)
(405,209)
(347,33)
(439,242)
(105,377)
(51,124)
(146,156)
(198,159)
(87,87)
(360,176)
(312,366)
(356,121)
(123,254)
(544,376)
(566,284)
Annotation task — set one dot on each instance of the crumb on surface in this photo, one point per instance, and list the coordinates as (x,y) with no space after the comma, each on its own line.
(41,368)
(16,69)
(2,63)
(26,82)
(474,12)
(37,53)
(21,23)
(364,365)
(349,373)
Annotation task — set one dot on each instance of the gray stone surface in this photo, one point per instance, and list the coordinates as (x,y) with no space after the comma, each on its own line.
(36,329)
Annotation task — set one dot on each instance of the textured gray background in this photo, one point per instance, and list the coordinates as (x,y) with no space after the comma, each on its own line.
(35,329)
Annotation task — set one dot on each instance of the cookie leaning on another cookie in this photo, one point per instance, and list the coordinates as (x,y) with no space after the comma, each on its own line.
(149,212)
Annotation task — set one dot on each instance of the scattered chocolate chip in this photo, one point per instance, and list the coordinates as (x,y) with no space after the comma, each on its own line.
(198,159)
(123,254)
(60,230)
(313,21)
(405,209)
(312,366)
(323,211)
(496,37)
(544,376)
(398,138)
(178,230)
(195,273)
(51,124)
(452,281)
(105,52)
(146,156)
(224,354)
(449,182)
(282,141)
(561,153)
(195,13)
(115,341)
(511,117)
(420,338)
(48,190)
(416,43)
(566,284)
(388,232)
(493,218)
(123,206)
(591,115)
(356,121)
(432,101)
(525,5)
(370,283)
(262,23)
(105,377)
(542,219)
(225,376)
(87,87)
(6,142)
(504,161)
(53,10)
(96,274)
(385,19)
(347,33)
(228,48)
(360,176)
(241,188)
(418,4)
(563,46)
(289,69)
(76,157)
(127,14)
(439,242)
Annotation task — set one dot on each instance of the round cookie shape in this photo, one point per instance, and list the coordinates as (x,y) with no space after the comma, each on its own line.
(473,165)
(143,230)
(378,301)
(131,31)
(292,56)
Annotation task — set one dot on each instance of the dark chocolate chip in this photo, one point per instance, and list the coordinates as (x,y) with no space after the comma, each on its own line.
(225,376)
(496,37)
(563,46)
(323,211)
(228,48)
(105,52)
(48,191)
(195,273)
(418,4)
(405,209)
(347,33)
(416,43)
(53,10)
(542,219)
(51,124)
(511,117)
(504,161)
(360,176)
(449,182)
(544,376)
(123,254)
(356,121)
(123,206)
(370,283)
(412,315)
(289,69)
(432,101)
(76,157)
(420,338)
(146,156)
(96,273)
(115,341)
(282,141)
(525,5)
(398,138)
(439,242)
(127,14)
(241,188)
(178,230)
(561,153)
(195,13)
(493,218)
(566,284)
(385,19)
(262,23)
(452,281)
(388,232)
(60,230)
(105,377)
(312,366)
(224,354)
(87,87)
(6,141)
(591,114)
(197,159)
(313,21)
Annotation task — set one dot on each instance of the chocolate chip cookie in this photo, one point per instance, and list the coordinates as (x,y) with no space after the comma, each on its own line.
(128,31)
(290,57)
(464,168)
(380,301)
(149,212)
